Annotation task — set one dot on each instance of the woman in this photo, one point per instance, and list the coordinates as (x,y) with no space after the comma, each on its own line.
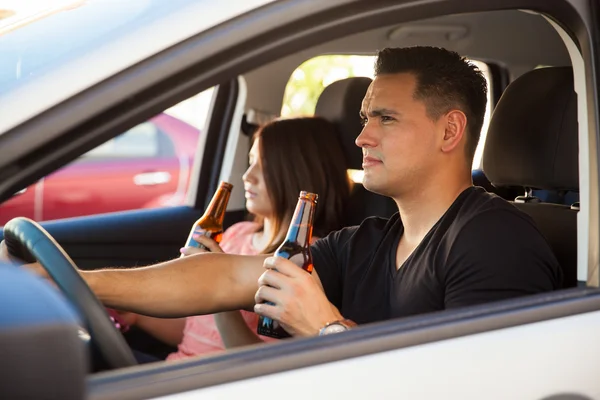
(287,156)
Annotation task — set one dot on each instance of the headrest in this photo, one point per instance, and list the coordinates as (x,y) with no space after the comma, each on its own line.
(340,104)
(532,137)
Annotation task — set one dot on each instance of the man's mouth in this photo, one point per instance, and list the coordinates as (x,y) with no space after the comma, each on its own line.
(369,161)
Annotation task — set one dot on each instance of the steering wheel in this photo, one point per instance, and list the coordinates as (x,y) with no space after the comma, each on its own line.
(28,241)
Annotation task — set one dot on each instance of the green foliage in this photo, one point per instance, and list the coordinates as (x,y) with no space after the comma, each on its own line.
(309,79)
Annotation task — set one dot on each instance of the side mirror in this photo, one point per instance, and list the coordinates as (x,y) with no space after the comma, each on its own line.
(43,356)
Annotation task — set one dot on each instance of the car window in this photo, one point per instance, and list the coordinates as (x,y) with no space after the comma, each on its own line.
(140,141)
(309,80)
(147,166)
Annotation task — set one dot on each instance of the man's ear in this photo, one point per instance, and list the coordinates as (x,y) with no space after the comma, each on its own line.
(455,129)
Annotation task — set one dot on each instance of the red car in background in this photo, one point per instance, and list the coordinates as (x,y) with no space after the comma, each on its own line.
(147,166)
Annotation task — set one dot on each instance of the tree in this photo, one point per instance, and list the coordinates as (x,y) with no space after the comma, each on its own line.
(308,81)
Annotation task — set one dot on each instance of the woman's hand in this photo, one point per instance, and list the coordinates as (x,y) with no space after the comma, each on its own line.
(126,317)
(212,246)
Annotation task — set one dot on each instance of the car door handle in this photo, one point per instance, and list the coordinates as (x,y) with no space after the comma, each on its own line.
(152,178)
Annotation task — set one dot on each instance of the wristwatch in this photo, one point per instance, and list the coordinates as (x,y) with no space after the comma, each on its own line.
(338,326)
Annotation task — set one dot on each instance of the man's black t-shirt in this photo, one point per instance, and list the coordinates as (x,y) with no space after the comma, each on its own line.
(482,249)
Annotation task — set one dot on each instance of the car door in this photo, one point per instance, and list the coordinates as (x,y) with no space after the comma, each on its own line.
(427,356)
(543,347)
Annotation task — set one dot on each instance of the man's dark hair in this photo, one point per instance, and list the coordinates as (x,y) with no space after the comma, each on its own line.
(445,81)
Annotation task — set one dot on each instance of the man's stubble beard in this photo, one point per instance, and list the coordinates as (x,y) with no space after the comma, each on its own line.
(401,186)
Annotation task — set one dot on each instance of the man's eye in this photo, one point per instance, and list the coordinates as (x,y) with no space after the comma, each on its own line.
(385,118)
(363,121)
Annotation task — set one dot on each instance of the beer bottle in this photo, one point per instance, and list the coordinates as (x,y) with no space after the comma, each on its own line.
(295,247)
(211,223)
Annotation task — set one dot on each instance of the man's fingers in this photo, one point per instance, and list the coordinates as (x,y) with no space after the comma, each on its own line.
(267,310)
(267,294)
(272,278)
(6,257)
(208,242)
(284,266)
(37,269)
(40,271)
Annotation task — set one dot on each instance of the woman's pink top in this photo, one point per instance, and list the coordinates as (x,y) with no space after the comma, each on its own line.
(200,334)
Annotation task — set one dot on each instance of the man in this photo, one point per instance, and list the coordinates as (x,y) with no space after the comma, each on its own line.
(450,245)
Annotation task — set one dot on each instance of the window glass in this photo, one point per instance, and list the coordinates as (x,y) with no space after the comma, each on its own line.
(140,141)
(148,166)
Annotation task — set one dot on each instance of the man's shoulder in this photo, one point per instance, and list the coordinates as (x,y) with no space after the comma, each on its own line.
(485,217)
(481,206)
(502,244)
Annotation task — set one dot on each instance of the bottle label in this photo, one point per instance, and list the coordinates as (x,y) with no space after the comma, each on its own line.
(270,327)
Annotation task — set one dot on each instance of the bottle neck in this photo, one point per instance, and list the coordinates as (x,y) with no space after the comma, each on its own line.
(301,226)
(218,205)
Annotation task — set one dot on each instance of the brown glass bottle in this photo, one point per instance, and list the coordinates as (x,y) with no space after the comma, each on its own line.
(295,247)
(211,223)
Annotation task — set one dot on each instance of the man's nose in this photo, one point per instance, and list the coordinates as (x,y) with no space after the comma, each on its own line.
(366,138)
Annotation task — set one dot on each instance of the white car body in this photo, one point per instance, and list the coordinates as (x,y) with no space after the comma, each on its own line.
(529,349)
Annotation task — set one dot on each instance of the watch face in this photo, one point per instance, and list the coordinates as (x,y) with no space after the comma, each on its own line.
(334,328)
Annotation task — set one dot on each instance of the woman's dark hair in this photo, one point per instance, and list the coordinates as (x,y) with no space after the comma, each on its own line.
(303,154)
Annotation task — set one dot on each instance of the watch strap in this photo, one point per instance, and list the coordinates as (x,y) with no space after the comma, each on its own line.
(346,323)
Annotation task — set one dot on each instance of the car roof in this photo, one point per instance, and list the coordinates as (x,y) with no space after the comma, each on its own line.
(87,42)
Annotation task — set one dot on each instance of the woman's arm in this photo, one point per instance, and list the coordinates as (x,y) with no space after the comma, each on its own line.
(167,330)
(234,330)
(231,325)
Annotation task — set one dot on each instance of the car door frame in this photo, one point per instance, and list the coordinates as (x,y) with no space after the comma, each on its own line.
(266,362)
(376,338)
(298,25)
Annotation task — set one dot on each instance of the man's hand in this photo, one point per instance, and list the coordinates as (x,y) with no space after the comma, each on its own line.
(210,244)
(300,304)
(5,257)
(35,267)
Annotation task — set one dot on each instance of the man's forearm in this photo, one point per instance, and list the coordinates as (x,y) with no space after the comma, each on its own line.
(193,285)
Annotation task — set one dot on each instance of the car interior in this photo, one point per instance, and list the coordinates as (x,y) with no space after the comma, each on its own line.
(530,150)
